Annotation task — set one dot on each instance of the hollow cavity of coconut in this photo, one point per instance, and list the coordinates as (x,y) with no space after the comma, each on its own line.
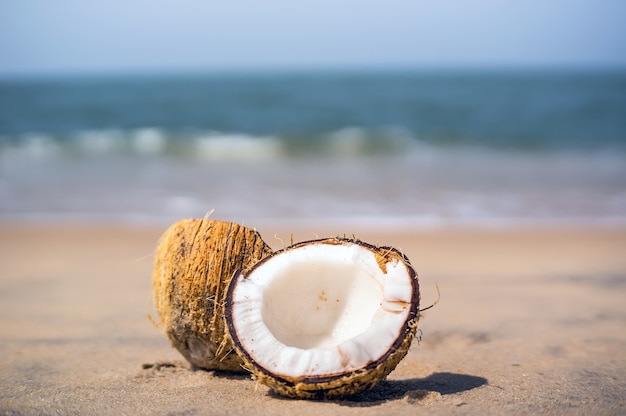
(195,261)
(324,318)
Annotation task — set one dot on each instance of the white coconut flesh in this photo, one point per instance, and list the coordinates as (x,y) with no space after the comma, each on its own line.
(320,309)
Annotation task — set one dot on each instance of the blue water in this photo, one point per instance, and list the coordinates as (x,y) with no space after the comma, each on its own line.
(421,147)
(533,110)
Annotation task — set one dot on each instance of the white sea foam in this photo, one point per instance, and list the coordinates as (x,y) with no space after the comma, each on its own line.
(148,141)
(37,146)
(238,147)
(97,142)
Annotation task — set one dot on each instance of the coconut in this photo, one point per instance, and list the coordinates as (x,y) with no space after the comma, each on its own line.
(195,260)
(324,318)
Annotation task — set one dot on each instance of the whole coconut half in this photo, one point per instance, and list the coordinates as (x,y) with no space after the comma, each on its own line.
(324,318)
(195,260)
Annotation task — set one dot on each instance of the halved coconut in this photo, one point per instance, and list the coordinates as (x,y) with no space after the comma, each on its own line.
(324,318)
(195,260)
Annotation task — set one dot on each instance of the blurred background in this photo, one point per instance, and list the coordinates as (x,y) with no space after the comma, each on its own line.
(395,113)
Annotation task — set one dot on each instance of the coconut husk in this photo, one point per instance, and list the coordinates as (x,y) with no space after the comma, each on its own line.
(195,261)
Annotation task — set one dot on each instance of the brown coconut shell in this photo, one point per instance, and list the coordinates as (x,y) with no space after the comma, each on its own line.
(336,385)
(195,261)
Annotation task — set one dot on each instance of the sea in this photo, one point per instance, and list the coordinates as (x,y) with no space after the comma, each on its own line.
(386,149)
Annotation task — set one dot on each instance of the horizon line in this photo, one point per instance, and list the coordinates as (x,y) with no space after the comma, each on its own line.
(304,69)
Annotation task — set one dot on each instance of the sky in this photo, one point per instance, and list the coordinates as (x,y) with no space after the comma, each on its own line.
(92,36)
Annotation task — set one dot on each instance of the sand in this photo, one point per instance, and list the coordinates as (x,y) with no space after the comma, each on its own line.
(530,321)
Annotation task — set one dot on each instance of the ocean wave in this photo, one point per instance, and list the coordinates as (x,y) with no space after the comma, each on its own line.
(349,142)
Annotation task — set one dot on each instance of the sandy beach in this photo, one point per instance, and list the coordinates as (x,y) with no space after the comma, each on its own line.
(530,321)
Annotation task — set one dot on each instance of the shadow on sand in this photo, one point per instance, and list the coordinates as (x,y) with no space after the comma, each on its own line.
(442,383)
(386,390)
